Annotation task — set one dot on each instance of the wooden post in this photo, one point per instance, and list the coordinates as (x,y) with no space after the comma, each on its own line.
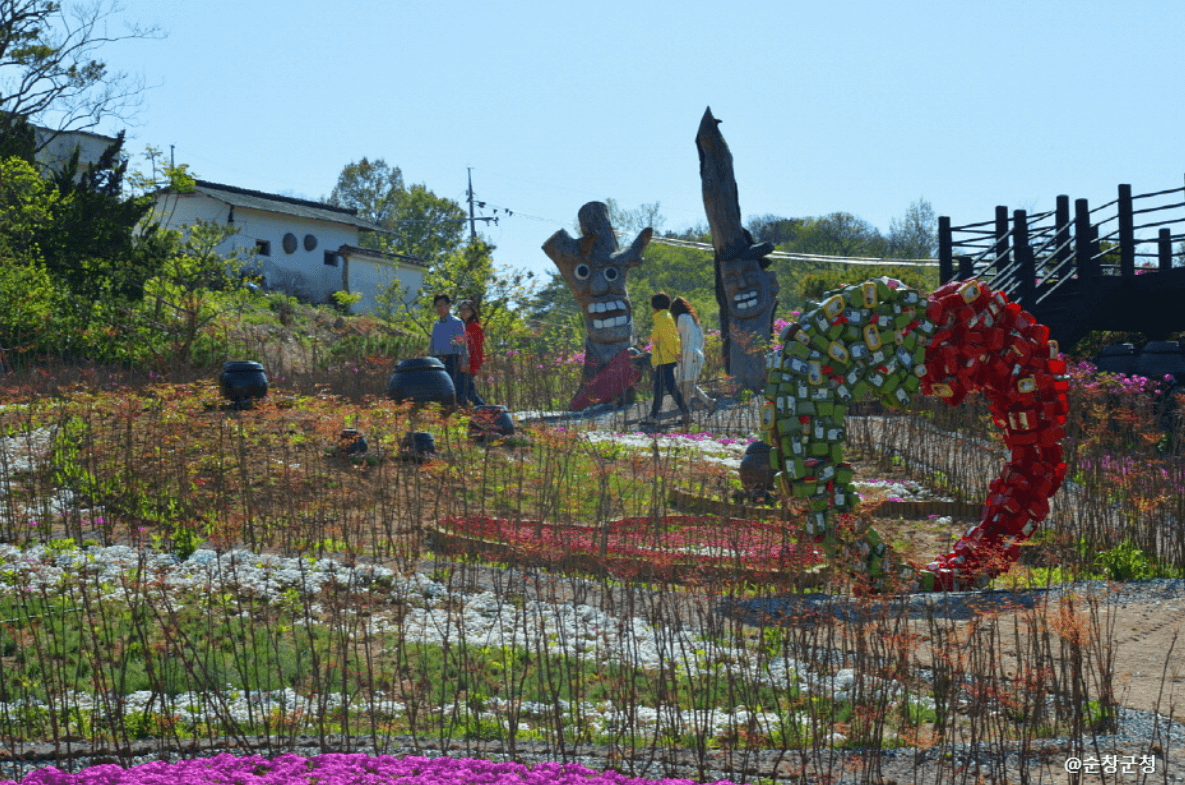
(1164,249)
(1026,270)
(1127,233)
(966,268)
(946,269)
(1003,248)
(1083,255)
(1061,251)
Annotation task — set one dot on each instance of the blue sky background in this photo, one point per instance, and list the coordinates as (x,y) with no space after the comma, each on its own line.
(858,106)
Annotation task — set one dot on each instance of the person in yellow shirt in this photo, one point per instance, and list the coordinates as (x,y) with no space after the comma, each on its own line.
(665,351)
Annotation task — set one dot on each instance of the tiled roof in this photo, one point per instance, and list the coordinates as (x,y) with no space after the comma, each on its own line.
(288,205)
(354,250)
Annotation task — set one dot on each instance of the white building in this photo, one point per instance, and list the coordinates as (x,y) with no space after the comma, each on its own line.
(54,148)
(303,248)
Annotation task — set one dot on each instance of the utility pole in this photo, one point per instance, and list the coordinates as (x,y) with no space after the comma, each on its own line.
(472,218)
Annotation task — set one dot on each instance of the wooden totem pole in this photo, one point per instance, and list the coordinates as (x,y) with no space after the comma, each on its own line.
(595,269)
(746,290)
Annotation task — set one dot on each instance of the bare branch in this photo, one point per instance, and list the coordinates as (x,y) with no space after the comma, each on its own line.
(49,70)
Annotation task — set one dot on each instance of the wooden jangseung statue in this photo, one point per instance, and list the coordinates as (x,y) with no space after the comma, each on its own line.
(595,269)
(746,290)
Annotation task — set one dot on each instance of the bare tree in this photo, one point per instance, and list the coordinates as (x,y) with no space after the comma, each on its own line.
(49,72)
(915,235)
(632,222)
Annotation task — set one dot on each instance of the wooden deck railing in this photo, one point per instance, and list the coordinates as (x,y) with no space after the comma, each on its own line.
(1066,253)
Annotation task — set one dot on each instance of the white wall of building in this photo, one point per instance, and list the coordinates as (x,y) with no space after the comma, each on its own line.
(301,272)
(368,275)
(54,154)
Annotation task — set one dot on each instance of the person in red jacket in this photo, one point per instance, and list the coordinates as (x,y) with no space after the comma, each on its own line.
(475,338)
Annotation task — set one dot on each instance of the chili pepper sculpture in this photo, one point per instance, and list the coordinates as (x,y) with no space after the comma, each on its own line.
(881,338)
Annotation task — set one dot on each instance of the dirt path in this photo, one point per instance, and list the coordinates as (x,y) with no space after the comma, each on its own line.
(1150,657)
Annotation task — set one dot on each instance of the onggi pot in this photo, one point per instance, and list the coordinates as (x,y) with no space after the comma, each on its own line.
(757,475)
(418,446)
(490,420)
(422,380)
(1160,358)
(351,442)
(242,381)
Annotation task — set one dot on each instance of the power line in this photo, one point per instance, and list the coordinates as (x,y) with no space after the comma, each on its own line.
(870,261)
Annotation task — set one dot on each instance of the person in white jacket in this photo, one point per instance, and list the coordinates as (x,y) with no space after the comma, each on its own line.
(691,361)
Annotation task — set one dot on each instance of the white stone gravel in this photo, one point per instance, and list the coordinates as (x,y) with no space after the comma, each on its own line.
(429,613)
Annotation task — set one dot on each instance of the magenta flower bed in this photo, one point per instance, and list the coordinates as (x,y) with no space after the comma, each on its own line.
(687,540)
(336,769)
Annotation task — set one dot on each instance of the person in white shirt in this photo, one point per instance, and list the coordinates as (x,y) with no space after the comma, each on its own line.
(691,361)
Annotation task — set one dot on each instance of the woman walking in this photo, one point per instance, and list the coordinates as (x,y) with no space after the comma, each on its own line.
(664,352)
(691,359)
(475,339)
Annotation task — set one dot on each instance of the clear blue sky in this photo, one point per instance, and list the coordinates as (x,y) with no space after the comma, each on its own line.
(861,106)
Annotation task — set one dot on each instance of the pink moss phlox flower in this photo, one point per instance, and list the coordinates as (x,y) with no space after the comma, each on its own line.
(338,769)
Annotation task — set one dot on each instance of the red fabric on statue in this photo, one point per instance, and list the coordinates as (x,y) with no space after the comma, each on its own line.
(612,381)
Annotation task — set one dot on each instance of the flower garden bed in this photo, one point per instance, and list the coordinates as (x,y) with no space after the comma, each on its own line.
(674,547)
(905,508)
(337,769)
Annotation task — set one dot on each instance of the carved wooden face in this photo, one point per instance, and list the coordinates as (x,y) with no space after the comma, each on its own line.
(600,288)
(751,294)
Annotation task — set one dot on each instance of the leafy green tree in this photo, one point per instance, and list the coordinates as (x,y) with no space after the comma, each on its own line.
(689,272)
(27,204)
(370,187)
(28,300)
(469,274)
(552,302)
(195,286)
(17,139)
(838,234)
(782,232)
(425,225)
(48,54)
(89,244)
(414,220)
(27,308)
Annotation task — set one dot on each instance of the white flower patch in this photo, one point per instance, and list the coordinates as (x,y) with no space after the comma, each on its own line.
(726,451)
(24,453)
(903,490)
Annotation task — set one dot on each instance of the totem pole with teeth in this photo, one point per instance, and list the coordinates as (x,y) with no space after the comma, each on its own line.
(595,269)
(746,290)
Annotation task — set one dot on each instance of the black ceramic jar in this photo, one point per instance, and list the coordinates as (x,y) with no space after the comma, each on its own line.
(351,442)
(418,446)
(490,420)
(1161,358)
(1117,358)
(422,380)
(242,381)
(757,475)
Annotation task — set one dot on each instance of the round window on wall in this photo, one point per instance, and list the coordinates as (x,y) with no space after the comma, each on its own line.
(290,243)
(310,242)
